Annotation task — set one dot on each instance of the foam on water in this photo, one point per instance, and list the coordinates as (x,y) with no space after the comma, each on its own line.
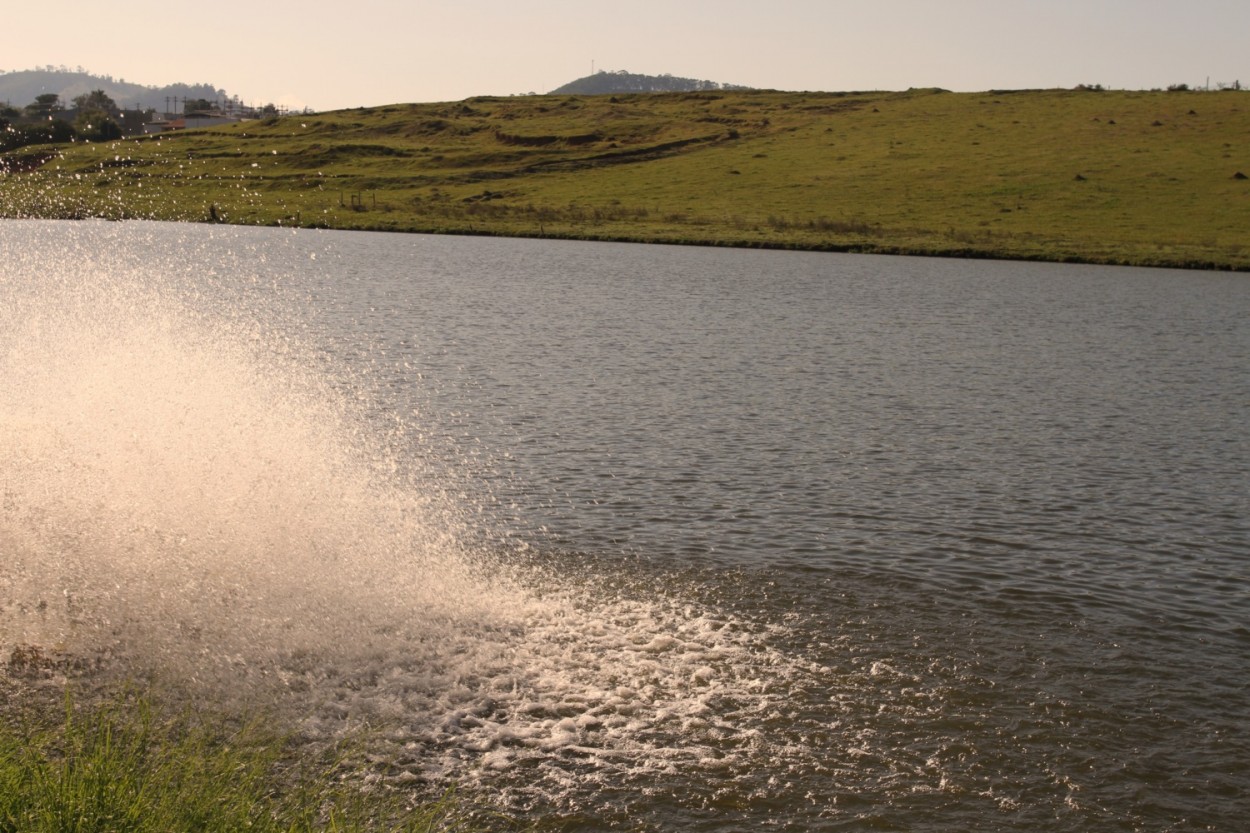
(192,492)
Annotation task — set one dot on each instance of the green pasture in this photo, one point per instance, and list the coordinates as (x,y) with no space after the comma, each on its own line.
(1148,178)
(124,766)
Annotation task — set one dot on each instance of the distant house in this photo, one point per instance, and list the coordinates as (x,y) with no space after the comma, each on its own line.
(189,121)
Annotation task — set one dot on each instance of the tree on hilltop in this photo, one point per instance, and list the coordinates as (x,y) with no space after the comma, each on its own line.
(96,100)
(96,119)
(44,105)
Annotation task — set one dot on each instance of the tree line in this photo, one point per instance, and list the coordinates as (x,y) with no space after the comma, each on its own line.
(96,118)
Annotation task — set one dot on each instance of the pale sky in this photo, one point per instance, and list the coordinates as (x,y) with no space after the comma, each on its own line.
(348,53)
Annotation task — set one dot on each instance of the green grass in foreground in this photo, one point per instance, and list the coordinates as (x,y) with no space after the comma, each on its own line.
(1143,178)
(121,767)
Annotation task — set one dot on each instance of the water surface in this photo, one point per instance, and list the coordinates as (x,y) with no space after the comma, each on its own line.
(686,538)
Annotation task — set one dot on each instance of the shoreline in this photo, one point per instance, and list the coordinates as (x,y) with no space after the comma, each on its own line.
(1150,179)
(830,247)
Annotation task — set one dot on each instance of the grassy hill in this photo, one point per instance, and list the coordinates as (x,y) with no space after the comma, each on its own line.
(1146,178)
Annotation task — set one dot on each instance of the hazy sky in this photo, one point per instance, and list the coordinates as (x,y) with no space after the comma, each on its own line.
(348,53)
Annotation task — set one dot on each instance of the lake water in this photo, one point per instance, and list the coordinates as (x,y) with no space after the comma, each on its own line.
(677,538)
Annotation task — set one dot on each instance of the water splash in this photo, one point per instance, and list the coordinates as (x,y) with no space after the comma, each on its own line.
(192,490)
(174,474)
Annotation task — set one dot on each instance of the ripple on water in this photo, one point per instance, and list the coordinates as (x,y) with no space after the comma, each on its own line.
(928,578)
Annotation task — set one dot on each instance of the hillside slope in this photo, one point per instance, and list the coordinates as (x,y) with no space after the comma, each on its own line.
(1131,177)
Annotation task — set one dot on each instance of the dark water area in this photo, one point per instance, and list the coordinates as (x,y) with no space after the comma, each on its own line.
(791,541)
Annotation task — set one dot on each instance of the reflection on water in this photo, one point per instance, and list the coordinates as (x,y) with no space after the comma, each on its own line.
(640,535)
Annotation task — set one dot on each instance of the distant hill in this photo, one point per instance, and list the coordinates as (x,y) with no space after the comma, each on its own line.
(604,82)
(21,87)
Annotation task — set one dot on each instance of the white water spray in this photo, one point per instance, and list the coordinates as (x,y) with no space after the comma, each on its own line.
(191,492)
(177,484)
